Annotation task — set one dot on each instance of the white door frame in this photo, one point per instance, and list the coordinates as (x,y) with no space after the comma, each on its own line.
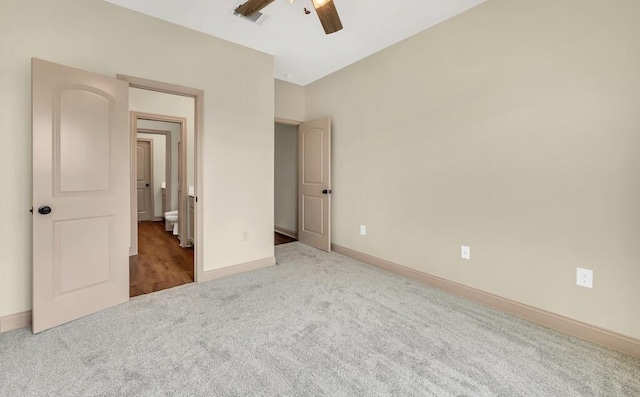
(198,96)
(168,161)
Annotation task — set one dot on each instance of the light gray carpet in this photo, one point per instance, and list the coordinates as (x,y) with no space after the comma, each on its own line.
(316,324)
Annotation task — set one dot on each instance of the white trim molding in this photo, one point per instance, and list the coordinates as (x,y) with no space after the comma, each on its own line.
(15,321)
(215,274)
(613,340)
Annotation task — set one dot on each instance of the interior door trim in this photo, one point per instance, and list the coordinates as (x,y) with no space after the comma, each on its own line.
(198,96)
(182,167)
(168,161)
(280,120)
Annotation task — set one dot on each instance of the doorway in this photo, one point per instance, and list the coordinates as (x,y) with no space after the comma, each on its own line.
(310,156)
(92,207)
(196,199)
(285,183)
(164,257)
(163,249)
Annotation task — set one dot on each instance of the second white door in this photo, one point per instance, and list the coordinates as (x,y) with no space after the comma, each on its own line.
(314,183)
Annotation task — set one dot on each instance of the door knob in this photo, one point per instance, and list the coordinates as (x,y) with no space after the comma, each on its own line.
(147,185)
(44,210)
(325,191)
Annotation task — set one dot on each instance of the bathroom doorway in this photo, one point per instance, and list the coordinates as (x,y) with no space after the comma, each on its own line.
(162,249)
(151,98)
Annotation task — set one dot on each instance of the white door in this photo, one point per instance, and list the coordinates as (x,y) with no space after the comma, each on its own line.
(81,193)
(143,180)
(314,184)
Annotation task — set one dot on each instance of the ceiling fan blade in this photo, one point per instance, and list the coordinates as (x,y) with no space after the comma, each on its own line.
(252,6)
(329,17)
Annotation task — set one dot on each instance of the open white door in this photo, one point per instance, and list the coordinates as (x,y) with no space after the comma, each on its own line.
(81,193)
(314,183)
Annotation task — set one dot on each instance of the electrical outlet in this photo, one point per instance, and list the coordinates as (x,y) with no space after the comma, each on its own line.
(465,252)
(245,236)
(584,277)
(363,230)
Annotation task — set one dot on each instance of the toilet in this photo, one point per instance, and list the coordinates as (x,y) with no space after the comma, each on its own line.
(171,221)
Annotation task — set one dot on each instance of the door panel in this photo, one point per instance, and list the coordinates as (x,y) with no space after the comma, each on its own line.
(80,170)
(314,162)
(141,203)
(81,254)
(81,140)
(140,160)
(312,156)
(313,214)
(143,183)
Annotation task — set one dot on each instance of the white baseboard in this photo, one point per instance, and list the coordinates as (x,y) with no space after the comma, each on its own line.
(285,231)
(15,321)
(558,322)
(209,275)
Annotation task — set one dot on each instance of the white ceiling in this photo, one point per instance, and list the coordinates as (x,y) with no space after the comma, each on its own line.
(303,53)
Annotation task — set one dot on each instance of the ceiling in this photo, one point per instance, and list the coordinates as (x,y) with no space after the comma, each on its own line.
(302,51)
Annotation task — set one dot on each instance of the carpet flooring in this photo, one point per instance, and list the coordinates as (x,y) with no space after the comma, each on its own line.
(315,324)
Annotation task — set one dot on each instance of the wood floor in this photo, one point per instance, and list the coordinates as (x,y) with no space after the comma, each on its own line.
(161,263)
(282,239)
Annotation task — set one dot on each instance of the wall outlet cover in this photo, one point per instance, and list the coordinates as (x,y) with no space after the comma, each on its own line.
(363,230)
(584,277)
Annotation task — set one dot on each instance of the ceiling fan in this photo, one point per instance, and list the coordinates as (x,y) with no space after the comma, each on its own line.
(325,8)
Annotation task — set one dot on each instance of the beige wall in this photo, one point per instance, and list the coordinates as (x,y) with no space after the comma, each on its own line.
(289,101)
(159,168)
(513,128)
(286,174)
(96,36)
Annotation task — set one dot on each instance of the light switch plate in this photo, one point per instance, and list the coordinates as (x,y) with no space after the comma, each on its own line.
(363,230)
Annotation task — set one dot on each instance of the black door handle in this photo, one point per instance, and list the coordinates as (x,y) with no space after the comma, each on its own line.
(147,185)
(325,191)
(44,210)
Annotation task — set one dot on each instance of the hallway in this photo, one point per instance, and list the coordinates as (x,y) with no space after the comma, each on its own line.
(161,263)
(282,239)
